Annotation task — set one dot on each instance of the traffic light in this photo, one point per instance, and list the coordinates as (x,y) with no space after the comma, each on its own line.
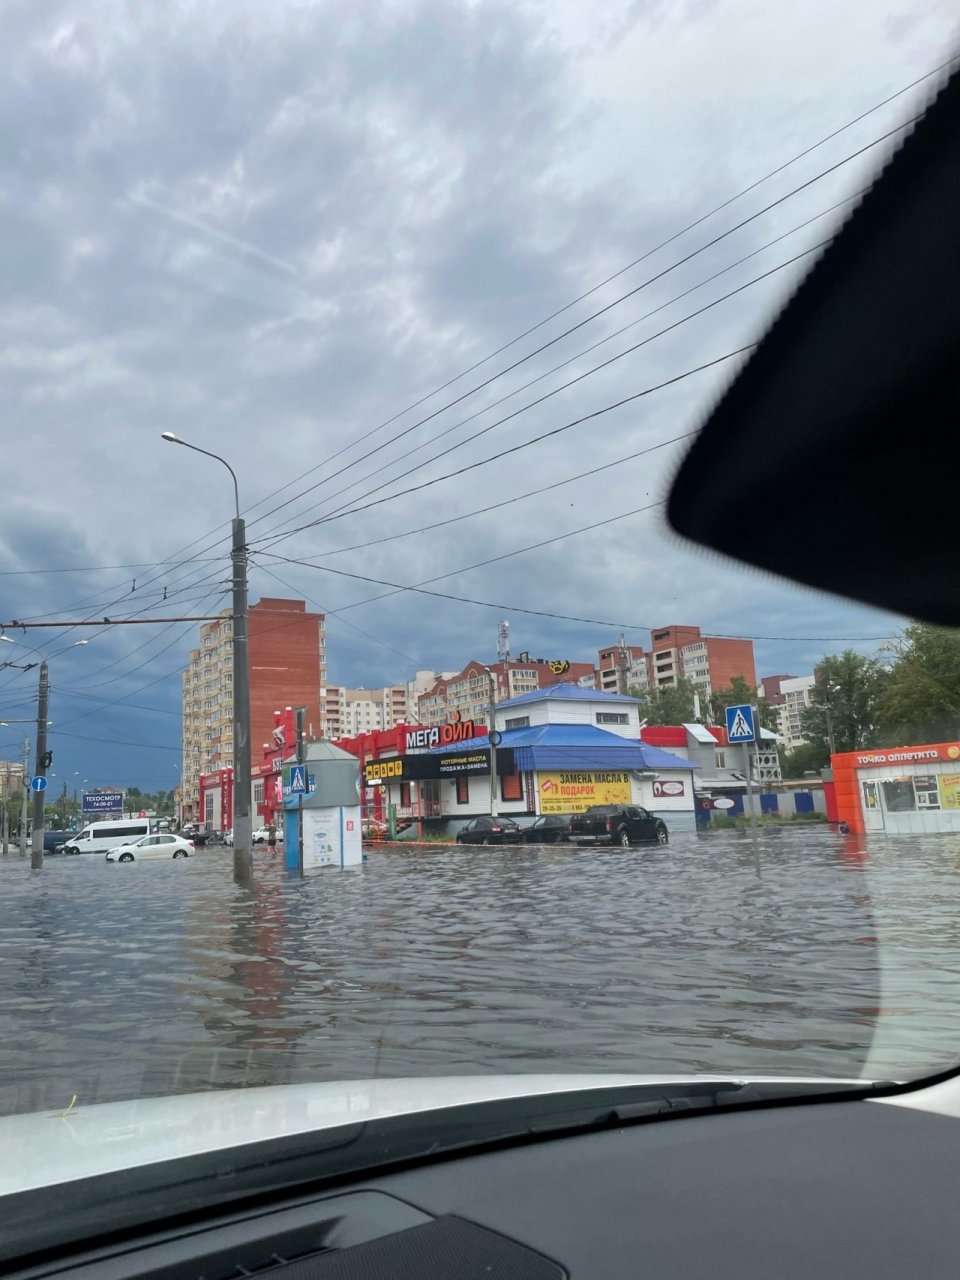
(46,760)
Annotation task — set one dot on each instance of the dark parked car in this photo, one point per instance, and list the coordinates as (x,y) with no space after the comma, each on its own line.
(490,831)
(623,824)
(53,841)
(550,828)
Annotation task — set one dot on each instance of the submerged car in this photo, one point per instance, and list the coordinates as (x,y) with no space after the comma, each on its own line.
(622,824)
(158,846)
(490,831)
(549,828)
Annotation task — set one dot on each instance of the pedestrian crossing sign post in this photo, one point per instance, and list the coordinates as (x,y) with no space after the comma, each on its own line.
(741,724)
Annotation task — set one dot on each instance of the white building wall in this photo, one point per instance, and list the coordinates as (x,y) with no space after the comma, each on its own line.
(568,711)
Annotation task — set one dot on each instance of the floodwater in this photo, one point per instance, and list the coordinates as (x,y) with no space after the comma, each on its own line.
(796,953)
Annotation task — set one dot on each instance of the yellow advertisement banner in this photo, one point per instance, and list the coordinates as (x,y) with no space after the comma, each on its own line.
(574,792)
(948,785)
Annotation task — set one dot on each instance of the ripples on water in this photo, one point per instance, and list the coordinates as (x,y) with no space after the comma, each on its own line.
(713,954)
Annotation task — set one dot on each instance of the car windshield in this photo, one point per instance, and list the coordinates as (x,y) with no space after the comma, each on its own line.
(388,330)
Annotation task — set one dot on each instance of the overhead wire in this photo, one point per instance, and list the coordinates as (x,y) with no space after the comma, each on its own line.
(659,275)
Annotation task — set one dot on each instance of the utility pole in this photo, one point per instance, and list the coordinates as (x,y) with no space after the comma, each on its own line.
(301,759)
(242,780)
(42,762)
(242,783)
(5,816)
(494,738)
(24,797)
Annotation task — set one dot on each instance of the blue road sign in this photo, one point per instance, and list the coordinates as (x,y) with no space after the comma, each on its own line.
(298,779)
(741,724)
(39,783)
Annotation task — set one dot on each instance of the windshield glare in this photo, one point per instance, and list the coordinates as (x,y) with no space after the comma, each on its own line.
(395,332)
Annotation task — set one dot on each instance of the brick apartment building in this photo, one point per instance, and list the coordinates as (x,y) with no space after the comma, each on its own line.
(468,691)
(709,662)
(287,648)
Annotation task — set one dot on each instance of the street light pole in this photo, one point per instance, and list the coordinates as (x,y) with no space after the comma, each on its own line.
(24,798)
(36,848)
(242,782)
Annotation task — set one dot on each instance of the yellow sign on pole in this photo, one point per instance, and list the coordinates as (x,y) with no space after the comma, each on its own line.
(575,792)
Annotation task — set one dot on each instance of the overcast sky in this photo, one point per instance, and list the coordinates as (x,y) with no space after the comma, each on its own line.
(278,228)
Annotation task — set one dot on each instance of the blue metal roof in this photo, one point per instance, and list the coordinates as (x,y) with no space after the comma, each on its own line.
(572,747)
(566,692)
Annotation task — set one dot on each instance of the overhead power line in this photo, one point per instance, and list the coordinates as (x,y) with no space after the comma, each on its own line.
(690,226)
(546,435)
(659,275)
(546,613)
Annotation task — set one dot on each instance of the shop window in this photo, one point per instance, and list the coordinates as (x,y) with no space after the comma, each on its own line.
(517,722)
(898,796)
(463,789)
(404,795)
(612,717)
(511,786)
(928,797)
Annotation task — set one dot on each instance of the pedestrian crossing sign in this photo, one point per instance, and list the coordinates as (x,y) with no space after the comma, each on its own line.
(741,724)
(298,780)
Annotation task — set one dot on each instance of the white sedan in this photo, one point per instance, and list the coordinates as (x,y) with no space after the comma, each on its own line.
(164,845)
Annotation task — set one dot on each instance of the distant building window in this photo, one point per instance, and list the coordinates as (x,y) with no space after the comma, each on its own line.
(463,789)
(511,786)
(612,717)
(517,722)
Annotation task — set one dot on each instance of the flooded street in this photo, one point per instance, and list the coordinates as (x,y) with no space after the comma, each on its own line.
(792,956)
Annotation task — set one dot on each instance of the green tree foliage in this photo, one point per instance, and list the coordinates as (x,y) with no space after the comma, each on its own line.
(739,693)
(921,697)
(811,757)
(671,704)
(845,699)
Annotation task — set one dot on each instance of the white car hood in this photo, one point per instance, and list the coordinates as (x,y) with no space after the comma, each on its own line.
(54,1147)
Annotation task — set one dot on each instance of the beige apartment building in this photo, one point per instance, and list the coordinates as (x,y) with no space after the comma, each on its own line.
(350,712)
(287,656)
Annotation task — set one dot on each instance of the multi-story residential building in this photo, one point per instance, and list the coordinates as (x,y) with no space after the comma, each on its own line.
(287,659)
(349,712)
(11,778)
(708,662)
(769,689)
(622,667)
(797,694)
(469,691)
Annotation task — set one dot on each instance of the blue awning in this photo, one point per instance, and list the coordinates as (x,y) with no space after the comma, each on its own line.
(575,747)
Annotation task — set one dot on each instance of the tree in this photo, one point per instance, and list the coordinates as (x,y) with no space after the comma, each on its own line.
(921,698)
(844,702)
(669,704)
(738,693)
(810,757)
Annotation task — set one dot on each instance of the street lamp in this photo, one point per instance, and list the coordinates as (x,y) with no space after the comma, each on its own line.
(43,758)
(242,821)
(831,688)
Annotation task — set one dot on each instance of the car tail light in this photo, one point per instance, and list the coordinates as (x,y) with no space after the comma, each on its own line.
(496,828)
(609,824)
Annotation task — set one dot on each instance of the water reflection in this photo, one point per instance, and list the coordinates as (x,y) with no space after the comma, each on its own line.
(734,952)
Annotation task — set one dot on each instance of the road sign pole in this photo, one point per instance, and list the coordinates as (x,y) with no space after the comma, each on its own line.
(36,848)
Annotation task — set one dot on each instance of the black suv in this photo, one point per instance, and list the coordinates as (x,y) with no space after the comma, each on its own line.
(623,824)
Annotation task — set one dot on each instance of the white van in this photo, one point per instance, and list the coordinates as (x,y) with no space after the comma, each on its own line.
(98,837)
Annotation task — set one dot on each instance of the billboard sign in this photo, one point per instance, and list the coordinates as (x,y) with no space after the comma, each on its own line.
(575,792)
(102,802)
